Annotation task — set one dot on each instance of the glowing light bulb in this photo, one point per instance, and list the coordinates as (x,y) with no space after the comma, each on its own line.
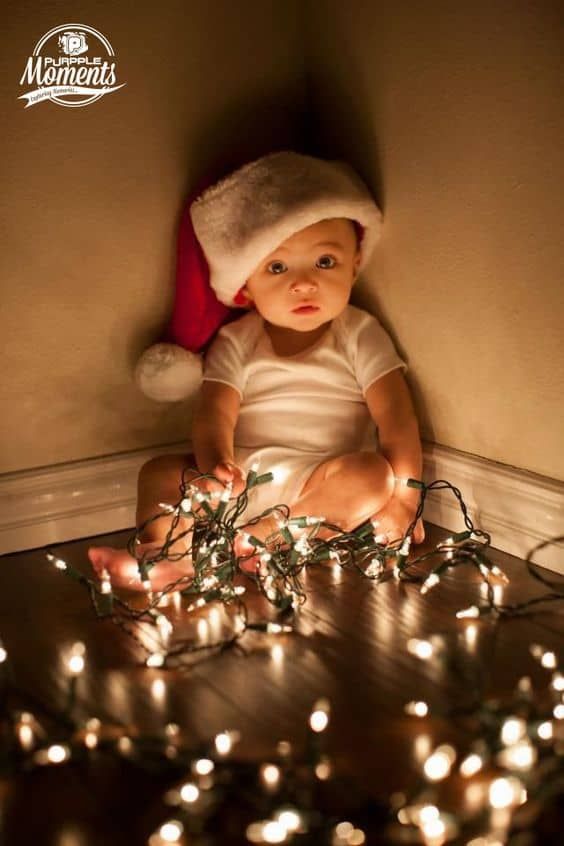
(277,653)
(225,740)
(471,765)
(548,660)
(273,832)
(75,662)
(430,582)
(25,731)
(158,690)
(421,747)
(498,594)
(280,474)
(557,682)
(319,718)
(375,568)
(439,764)
(277,628)
(226,494)
(558,712)
(164,626)
(497,571)
(343,831)
(512,730)
(524,685)
(125,745)
(57,753)
(3,654)
(171,831)
(545,730)
(504,792)
(289,818)
(406,544)
(189,792)
(323,769)
(520,756)
(58,562)
(156,659)
(433,829)
(471,634)
(204,766)
(428,813)
(270,775)
(470,612)
(417,709)
(421,648)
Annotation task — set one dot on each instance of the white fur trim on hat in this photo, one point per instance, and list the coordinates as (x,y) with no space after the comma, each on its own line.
(168,373)
(244,217)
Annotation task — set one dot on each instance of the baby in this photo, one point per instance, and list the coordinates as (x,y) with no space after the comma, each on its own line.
(300,384)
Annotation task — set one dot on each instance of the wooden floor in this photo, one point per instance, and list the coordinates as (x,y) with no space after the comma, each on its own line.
(352,650)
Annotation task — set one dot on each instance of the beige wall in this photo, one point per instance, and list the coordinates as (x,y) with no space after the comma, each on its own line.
(92,198)
(453,113)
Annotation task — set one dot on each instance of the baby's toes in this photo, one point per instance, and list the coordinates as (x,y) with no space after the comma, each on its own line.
(241,545)
(251,565)
(98,556)
(419,533)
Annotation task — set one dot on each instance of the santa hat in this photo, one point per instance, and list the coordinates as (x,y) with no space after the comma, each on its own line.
(226,230)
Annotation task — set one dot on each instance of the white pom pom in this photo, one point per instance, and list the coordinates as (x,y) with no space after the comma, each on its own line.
(168,373)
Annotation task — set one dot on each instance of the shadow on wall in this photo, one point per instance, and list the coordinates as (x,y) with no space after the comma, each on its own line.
(349,134)
(245,131)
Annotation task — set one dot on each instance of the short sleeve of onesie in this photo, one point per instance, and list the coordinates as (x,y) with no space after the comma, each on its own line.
(369,347)
(228,353)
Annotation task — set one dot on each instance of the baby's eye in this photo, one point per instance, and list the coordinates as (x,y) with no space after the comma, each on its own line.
(331,258)
(276,266)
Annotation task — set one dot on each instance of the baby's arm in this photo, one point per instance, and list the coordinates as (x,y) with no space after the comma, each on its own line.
(391,408)
(213,425)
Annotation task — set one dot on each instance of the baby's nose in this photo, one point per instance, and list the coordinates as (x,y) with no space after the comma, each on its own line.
(303,283)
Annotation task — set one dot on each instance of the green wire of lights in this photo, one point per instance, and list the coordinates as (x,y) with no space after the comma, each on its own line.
(215,521)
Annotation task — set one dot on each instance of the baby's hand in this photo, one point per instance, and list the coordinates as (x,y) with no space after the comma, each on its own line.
(394,519)
(227,472)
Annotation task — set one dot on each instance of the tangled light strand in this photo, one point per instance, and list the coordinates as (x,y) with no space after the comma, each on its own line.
(213,530)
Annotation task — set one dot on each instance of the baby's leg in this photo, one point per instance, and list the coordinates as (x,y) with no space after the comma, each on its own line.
(345,491)
(158,482)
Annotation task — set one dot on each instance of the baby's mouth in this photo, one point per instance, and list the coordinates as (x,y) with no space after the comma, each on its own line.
(305,309)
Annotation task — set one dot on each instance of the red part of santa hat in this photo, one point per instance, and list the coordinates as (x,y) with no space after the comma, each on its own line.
(197,313)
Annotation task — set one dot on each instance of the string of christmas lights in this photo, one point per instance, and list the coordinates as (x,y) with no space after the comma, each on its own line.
(214,523)
(272,801)
(510,764)
(507,778)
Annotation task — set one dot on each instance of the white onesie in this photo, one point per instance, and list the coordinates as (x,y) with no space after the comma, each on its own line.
(298,410)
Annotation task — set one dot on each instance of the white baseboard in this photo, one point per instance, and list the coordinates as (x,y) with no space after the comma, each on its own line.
(51,505)
(519,509)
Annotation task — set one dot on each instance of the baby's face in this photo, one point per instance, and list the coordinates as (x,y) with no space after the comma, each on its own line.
(306,271)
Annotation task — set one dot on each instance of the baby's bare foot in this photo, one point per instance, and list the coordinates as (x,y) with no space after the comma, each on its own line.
(244,550)
(123,569)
